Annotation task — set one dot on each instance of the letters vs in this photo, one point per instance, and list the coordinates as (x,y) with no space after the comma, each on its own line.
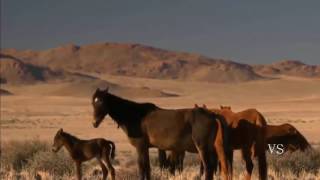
(276,148)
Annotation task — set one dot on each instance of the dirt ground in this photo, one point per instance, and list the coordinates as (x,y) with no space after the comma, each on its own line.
(33,113)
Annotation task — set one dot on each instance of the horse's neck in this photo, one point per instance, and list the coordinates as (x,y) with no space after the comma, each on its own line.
(69,142)
(122,110)
(229,115)
(274,131)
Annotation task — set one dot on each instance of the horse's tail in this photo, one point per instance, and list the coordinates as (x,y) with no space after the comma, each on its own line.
(113,150)
(260,148)
(262,163)
(227,144)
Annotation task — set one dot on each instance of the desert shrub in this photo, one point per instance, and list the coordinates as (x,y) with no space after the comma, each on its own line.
(296,162)
(58,164)
(15,154)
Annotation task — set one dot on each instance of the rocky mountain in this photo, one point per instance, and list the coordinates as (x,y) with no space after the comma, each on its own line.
(16,71)
(139,61)
(290,68)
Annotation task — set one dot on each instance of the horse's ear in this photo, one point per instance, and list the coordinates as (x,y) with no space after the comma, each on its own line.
(204,106)
(221,107)
(97,90)
(106,90)
(60,131)
(229,107)
(196,106)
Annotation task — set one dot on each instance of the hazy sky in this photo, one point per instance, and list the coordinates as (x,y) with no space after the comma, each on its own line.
(244,31)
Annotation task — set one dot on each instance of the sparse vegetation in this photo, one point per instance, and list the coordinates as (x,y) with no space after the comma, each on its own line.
(296,162)
(29,159)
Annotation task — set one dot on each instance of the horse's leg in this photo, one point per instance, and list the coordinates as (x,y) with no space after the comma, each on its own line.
(162,158)
(104,169)
(78,169)
(201,169)
(230,164)
(181,158)
(143,162)
(172,161)
(110,167)
(222,158)
(206,159)
(246,154)
(261,153)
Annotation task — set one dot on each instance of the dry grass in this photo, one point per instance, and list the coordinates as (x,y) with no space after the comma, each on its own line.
(34,159)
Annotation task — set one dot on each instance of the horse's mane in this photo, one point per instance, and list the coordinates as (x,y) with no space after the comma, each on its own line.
(129,110)
(69,137)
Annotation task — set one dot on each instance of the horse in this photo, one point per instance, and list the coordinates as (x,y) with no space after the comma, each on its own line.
(222,150)
(248,133)
(83,150)
(287,135)
(147,125)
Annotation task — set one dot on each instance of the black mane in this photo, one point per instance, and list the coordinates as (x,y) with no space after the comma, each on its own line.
(70,138)
(128,113)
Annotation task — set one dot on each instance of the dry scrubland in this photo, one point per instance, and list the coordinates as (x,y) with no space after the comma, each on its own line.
(30,118)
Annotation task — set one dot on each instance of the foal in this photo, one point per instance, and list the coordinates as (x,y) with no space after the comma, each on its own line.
(84,150)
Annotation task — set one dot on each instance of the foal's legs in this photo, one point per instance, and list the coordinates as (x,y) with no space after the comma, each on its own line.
(110,168)
(78,169)
(246,154)
(104,170)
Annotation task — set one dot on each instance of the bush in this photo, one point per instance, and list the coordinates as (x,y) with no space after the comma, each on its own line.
(15,154)
(296,162)
(34,156)
(54,163)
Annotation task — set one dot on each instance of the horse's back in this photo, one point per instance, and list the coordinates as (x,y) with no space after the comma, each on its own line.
(253,116)
(168,129)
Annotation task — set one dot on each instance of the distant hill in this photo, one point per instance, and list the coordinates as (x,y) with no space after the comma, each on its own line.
(4,92)
(63,83)
(16,71)
(289,67)
(137,60)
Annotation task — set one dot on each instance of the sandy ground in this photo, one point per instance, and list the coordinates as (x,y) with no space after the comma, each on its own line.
(28,115)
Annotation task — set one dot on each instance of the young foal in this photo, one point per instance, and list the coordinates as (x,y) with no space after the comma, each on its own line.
(84,150)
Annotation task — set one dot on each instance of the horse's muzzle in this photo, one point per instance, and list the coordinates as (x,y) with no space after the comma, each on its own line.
(95,124)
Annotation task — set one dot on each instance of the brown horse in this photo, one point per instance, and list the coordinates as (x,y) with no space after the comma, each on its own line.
(222,150)
(288,136)
(147,125)
(248,132)
(84,150)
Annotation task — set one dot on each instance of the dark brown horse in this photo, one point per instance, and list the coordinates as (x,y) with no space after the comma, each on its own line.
(222,150)
(288,136)
(84,150)
(147,125)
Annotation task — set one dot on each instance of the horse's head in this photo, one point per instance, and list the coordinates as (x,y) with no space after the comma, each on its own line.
(297,142)
(294,139)
(100,109)
(58,141)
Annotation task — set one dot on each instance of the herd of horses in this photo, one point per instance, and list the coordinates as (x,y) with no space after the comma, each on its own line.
(211,133)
